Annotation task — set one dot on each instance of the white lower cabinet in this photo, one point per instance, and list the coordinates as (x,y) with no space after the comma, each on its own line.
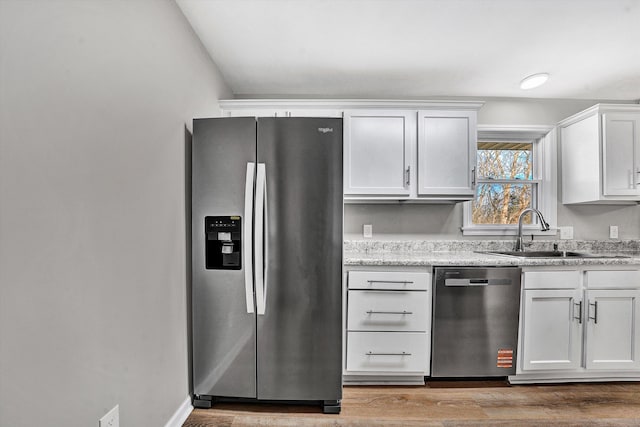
(579,325)
(551,330)
(613,329)
(387,311)
(387,330)
(386,352)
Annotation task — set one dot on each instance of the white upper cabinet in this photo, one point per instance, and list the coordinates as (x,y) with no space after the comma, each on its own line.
(601,155)
(447,142)
(621,152)
(377,152)
(414,151)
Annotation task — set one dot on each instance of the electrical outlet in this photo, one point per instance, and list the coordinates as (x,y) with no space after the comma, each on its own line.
(613,231)
(367,230)
(566,233)
(111,418)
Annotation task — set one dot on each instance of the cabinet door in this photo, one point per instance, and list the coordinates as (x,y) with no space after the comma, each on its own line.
(581,163)
(613,330)
(621,151)
(447,144)
(551,330)
(377,152)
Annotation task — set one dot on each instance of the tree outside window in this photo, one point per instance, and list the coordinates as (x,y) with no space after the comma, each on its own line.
(506,184)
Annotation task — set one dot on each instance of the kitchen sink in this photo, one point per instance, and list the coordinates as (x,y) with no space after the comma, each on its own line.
(550,254)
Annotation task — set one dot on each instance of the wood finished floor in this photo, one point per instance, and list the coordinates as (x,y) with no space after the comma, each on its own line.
(446,404)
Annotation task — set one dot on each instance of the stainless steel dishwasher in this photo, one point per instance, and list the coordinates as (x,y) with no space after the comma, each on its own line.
(475,321)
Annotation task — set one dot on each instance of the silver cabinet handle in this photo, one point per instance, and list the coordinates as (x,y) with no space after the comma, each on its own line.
(370,353)
(402,282)
(579,318)
(473,177)
(595,312)
(389,312)
(408,175)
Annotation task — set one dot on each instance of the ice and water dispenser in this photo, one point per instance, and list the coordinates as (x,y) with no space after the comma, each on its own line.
(222,248)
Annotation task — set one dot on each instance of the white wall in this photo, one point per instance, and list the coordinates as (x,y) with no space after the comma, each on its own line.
(94,100)
(397,221)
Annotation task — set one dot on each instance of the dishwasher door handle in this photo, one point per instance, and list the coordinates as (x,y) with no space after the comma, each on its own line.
(476,282)
(466,282)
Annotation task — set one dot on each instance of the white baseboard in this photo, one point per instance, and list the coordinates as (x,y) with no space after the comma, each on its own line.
(182,413)
(572,377)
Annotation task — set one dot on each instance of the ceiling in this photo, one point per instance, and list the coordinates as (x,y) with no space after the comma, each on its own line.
(422,48)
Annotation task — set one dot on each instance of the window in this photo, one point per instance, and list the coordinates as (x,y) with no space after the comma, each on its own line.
(515,170)
(505,182)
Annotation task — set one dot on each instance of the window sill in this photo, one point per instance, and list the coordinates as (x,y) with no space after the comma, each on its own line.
(506,231)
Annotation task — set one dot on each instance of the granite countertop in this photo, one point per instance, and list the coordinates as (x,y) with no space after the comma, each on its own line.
(460,253)
(470,258)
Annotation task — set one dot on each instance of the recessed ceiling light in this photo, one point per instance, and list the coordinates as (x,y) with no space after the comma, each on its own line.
(534,80)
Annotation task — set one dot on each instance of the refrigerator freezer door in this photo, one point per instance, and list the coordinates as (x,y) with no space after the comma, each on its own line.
(224,333)
(299,335)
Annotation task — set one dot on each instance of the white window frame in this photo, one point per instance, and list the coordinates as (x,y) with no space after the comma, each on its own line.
(545,166)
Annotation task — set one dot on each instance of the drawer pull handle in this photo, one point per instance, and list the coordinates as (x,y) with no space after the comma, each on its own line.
(404,353)
(389,312)
(402,282)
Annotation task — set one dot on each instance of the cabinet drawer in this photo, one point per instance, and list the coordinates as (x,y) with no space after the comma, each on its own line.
(387,311)
(390,280)
(551,279)
(387,351)
(613,279)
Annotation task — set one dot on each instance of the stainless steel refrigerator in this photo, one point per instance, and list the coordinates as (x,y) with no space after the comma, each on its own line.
(267,218)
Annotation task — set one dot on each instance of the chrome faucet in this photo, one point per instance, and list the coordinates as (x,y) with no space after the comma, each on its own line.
(544,226)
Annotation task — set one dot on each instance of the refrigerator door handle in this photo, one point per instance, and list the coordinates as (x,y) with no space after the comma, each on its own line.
(260,242)
(248,238)
(265,246)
